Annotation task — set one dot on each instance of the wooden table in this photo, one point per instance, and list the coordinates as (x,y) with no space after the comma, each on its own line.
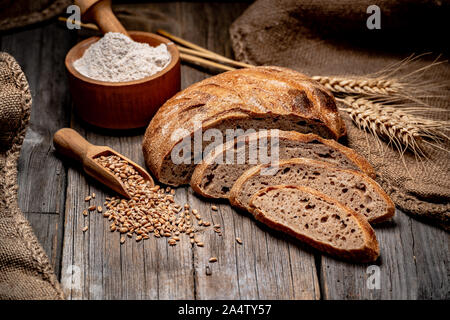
(414,261)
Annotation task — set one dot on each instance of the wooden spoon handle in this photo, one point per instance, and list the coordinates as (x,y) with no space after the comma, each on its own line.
(69,143)
(100,13)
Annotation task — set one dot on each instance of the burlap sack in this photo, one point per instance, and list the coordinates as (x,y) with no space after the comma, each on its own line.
(20,13)
(327,37)
(25,271)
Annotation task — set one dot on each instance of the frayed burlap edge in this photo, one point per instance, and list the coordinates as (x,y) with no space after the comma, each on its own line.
(22,227)
(16,22)
(429,212)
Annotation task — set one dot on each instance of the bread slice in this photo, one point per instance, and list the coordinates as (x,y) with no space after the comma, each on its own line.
(215,176)
(250,98)
(316,219)
(351,188)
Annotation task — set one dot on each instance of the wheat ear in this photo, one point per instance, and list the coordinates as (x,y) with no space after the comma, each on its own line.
(390,83)
(359,85)
(404,130)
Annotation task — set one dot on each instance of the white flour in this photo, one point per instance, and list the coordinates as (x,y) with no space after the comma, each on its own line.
(117,58)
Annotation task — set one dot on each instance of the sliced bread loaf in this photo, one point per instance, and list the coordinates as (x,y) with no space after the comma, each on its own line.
(316,219)
(251,98)
(352,188)
(215,176)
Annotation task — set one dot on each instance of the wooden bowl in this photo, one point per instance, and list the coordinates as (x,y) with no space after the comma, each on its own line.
(123,105)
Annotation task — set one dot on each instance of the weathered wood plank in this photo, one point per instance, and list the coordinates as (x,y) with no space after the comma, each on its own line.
(172,265)
(41,51)
(413,265)
(431,248)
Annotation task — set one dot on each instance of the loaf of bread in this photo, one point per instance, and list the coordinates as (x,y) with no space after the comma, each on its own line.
(316,219)
(215,176)
(351,188)
(252,98)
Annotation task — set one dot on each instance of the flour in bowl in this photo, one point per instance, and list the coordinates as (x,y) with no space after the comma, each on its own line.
(117,58)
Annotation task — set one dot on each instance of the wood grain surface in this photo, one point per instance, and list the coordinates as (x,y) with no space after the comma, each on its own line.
(414,261)
(42,176)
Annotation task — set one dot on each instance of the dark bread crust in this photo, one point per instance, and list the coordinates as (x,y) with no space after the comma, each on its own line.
(200,169)
(240,94)
(368,253)
(238,185)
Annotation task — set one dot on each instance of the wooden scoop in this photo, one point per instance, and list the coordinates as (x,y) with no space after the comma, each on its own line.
(100,13)
(69,143)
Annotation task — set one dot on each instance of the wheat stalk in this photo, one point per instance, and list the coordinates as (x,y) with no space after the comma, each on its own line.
(399,126)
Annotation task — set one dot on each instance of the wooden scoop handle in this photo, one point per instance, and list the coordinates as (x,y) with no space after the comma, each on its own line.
(69,143)
(100,13)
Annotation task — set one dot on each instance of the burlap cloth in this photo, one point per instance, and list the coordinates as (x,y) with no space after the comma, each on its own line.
(328,37)
(20,13)
(25,271)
